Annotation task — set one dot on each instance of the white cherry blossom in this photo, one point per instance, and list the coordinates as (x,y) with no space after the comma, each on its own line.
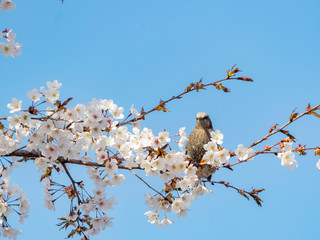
(34,95)
(217,136)
(111,167)
(15,105)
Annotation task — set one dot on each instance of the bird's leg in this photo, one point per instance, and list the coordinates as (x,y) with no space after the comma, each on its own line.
(209,178)
(204,184)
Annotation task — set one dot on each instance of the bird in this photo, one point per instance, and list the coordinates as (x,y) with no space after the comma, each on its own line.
(198,137)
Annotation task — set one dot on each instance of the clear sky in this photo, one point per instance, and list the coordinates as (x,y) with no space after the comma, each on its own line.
(138,51)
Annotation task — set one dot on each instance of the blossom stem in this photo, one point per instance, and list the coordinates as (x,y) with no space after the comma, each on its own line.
(149,185)
(73,182)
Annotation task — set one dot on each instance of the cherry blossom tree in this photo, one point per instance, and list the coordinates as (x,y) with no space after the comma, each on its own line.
(55,134)
(105,139)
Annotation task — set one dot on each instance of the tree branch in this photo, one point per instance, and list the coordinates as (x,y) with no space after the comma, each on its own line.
(193,87)
(254,193)
(73,182)
(32,155)
(274,132)
(279,129)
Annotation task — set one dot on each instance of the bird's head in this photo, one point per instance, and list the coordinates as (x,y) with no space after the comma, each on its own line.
(203,121)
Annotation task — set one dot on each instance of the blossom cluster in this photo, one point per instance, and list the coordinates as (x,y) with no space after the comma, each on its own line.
(10,47)
(179,205)
(287,156)
(12,199)
(184,177)
(71,132)
(218,156)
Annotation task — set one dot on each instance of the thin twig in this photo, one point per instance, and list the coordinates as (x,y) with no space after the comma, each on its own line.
(73,182)
(178,97)
(254,193)
(279,129)
(274,132)
(149,185)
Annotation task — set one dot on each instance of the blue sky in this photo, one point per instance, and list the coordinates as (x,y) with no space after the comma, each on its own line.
(136,52)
